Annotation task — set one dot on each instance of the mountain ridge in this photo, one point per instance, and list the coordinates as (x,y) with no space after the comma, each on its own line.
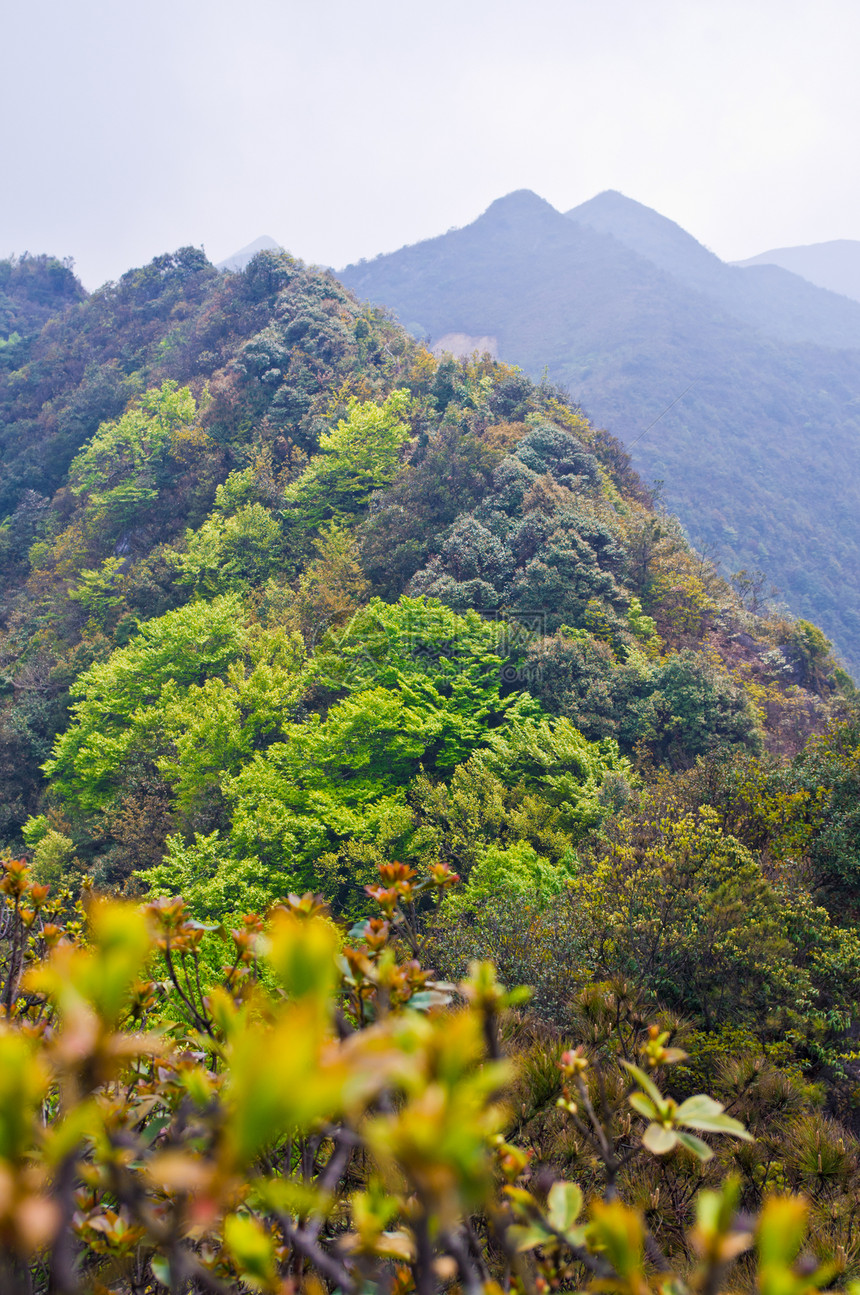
(769,297)
(834,265)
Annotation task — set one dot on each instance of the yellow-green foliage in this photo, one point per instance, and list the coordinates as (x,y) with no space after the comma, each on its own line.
(357,456)
(119,469)
(323,1105)
(682,908)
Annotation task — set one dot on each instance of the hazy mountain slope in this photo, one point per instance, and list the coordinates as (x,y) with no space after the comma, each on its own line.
(535,281)
(761,459)
(834,265)
(766,296)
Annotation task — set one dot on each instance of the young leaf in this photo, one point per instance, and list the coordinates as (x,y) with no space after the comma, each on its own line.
(781,1230)
(618,1231)
(160,1270)
(659,1140)
(702,1112)
(644,1106)
(528,1238)
(645,1082)
(700,1149)
(564,1202)
(251,1247)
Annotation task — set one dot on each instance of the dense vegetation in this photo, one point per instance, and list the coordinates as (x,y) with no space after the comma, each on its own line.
(32,290)
(734,387)
(343,663)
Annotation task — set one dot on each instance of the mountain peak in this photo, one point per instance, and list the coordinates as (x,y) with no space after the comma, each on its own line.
(240,259)
(643,230)
(520,200)
(609,199)
(518,207)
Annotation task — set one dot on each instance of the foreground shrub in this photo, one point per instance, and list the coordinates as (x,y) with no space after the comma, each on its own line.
(319,1112)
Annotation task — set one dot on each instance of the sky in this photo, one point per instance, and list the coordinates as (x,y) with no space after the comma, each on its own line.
(345,128)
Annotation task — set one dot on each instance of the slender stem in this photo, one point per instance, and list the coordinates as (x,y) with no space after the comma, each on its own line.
(468,1272)
(423,1267)
(65,1247)
(307,1247)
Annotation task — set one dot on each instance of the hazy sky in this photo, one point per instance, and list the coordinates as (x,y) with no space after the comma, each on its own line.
(343,128)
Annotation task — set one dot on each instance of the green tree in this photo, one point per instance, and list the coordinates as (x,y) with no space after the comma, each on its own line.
(448,666)
(117,703)
(514,872)
(359,455)
(671,902)
(234,552)
(122,467)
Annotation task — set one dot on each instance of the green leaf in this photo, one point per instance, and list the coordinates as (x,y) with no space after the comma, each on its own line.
(781,1230)
(644,1106)
(618,1232)
(521,1198)
(644,1082)
(700,1149)
(699,1107)
(564,1202)
(160,1270)
(527,1238)
(250,1246)
(715,1211)
(152,1130)
(725,1124)
(658,1139)
(702,1112)
(427,998)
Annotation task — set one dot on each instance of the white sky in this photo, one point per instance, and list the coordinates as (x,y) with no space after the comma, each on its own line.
(344,128)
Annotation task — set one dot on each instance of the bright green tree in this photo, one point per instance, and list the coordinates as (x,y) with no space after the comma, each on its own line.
(117,707)
(121,468)
(359,455)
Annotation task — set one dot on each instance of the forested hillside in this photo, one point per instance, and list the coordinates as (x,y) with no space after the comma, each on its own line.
(734,387)
(32,289)
(332,671)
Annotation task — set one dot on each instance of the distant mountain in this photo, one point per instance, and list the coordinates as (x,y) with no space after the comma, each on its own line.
(775,300)
(240,259)
(834,265)
(756,438)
